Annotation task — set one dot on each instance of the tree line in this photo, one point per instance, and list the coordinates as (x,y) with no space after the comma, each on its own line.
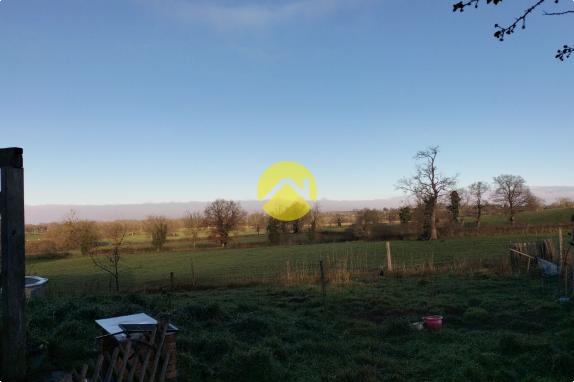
(429,187)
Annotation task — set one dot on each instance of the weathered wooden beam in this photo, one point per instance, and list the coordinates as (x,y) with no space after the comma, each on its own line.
(13,271)
(522,253)
(11,157)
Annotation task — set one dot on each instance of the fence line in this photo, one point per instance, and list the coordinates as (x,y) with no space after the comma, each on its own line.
(339,266)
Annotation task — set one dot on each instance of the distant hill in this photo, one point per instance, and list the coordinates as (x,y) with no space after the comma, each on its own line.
(553,194)
(55,212)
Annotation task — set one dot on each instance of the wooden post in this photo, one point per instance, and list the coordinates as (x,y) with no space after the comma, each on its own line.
(13,265)
(389,257)
(565,280)
(171,281)
(323,291)
(560,250)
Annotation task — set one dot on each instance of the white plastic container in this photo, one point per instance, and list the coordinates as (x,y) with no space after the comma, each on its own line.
(35,286)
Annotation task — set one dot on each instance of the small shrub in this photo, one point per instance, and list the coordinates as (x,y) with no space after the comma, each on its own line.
(44,250)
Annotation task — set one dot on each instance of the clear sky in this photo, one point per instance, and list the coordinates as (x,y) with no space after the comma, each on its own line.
(128,101)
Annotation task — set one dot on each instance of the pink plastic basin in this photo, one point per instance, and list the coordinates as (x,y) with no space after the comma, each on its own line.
(433,322)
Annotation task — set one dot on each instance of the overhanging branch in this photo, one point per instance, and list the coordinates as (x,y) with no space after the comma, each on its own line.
(501,32)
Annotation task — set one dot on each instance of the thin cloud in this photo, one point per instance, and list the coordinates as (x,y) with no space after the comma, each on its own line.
(246,14)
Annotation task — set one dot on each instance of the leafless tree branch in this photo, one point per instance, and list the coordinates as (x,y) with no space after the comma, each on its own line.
(558,13)
(501,31)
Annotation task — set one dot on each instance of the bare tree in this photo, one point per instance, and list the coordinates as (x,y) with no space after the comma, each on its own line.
(338,220)
(428,185)
(86,235)
(512,193)
(563,203)
(478,191)
(315,216)
(465,204)
(296,225)
(116,232)
(258,221)
(364,219)
(367,216)
(60,234)
(158,228)
(224,216)
(501,32)
(193,221)
(74,233)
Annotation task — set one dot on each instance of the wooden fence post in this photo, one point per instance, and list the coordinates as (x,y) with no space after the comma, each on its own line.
(560,250)
(389,257)
(13,265)
(323,291)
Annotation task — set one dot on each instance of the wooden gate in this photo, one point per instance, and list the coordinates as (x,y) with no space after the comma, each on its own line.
(147,359)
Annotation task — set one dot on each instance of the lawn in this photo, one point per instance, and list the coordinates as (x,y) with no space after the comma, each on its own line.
(496,329)
(219,267)
(543,217)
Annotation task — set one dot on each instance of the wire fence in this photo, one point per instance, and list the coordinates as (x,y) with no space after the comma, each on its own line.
(343,262)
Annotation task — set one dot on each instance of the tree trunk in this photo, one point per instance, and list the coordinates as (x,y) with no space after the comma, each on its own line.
(478,216)
(433,233)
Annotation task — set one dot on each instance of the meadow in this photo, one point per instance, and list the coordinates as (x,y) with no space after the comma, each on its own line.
(227,267)
(256,312)
(496,329)
(251,260)
(542,217)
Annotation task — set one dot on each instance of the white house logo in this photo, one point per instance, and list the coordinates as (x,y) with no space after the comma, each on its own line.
(287,188)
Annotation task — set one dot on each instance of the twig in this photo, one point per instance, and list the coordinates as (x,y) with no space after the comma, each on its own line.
(557,13)
(499,34)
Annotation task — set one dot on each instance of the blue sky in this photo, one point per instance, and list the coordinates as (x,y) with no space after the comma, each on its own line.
(133,101)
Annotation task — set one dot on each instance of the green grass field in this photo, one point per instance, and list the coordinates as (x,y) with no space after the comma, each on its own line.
(496,329)
(543,217)
(219,267)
